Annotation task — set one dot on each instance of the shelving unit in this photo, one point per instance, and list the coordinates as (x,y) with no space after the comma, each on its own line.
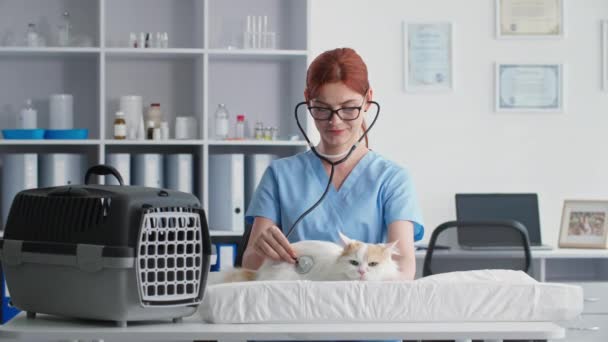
(203,66)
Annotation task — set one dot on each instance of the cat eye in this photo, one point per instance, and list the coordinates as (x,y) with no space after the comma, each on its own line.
(373,263)
(354,262)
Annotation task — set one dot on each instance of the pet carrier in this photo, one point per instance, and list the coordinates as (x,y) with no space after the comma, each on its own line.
(108,252)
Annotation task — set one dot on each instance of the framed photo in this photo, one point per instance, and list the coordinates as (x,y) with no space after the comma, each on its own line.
(529,19)
(605,55)
(529,88)
(584,224)
(428,56)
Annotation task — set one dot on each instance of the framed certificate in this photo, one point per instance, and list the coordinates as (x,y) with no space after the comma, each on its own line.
(529,88)
(529,19)
(605,55)
(428,56)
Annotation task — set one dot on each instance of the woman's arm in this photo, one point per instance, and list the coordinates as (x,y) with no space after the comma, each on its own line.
(266,240)
(403,233)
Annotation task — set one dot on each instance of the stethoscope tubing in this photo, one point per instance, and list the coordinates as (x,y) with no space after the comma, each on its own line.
(332,163)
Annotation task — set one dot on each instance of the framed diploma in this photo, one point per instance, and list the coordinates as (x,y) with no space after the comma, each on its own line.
(530,18)
(605,55)
(529,88)
(428,56)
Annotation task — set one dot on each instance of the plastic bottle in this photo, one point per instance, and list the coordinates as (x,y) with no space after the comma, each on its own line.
(63,36)
(239,130)
(31,36)
(164,130)
(221,121)
(120,126)
(156,134)
(155,114)
(28,116)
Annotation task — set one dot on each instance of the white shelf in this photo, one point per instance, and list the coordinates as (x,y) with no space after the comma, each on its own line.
(190,78)
(256,54)
(152,142)
(46,142)
(256,143)
(48,51)
(112,142)
(153,52)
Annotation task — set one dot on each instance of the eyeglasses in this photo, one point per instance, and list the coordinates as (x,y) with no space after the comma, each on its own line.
(344,113)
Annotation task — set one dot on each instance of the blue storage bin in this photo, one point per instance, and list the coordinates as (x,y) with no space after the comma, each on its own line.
(81,133)
(6,311)
(36,133)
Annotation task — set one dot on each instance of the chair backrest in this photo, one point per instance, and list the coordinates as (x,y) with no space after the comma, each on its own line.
(444,254)
(243,245)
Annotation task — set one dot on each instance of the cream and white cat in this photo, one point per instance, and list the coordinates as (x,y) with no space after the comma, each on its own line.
(354,260)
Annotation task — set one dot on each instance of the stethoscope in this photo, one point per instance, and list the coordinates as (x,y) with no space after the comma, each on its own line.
(305,263)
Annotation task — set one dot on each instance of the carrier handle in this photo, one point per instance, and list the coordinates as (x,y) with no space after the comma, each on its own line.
(103,170)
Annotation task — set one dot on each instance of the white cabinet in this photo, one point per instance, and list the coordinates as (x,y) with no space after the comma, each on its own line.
(589,328)
(592,326)
(589,270)
(204,65)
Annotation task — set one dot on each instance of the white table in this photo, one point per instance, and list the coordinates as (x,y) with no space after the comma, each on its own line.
(49,328)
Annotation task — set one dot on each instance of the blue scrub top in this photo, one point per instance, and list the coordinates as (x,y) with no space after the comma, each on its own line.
(376,193)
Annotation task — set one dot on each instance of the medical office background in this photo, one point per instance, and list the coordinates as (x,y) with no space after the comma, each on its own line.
(454,142)
(451,142)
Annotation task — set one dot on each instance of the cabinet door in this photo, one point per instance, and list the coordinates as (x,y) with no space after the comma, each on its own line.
(589,328)
(595,295)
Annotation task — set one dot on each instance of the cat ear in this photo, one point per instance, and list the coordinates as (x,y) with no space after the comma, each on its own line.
(391,248)
(345,240)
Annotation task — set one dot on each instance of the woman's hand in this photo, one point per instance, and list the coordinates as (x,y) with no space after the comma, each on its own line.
(271,243)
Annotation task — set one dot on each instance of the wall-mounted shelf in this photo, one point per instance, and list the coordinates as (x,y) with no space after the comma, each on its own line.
(203,66)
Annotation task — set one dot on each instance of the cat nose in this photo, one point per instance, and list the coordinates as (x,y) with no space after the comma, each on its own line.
(361,272)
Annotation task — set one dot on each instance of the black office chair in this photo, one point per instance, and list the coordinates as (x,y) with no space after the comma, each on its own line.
(476,245)
(243,245)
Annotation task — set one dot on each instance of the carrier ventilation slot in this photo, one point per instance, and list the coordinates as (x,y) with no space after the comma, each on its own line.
(40,218)
(169,255)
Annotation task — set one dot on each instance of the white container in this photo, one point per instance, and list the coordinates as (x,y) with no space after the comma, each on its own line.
(28,117)
(148,170)
(122,163)
(32,39)
(19,172)
(185,127)
(61,111)
(164,130)
(58,169)
(155,114)
(179,169)
(222,122)
(132,106)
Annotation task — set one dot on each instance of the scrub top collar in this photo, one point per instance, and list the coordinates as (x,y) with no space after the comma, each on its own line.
(322,176)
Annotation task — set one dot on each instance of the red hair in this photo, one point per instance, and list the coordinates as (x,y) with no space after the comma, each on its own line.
(338,65)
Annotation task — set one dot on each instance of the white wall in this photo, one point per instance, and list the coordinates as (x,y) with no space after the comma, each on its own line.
(455,142)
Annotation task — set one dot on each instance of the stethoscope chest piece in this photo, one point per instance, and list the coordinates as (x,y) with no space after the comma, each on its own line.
(304,264)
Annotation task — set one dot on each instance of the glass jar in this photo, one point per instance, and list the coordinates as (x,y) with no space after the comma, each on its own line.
(120,126)
(154,114)
(258,132)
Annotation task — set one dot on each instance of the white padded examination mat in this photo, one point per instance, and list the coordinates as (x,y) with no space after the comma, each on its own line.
(473,296)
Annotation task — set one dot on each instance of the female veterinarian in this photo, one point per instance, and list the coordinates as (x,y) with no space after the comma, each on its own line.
(370,198)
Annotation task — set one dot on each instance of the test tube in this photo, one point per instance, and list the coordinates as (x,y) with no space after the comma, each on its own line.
(247,34)
(259,32)
(265,32)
